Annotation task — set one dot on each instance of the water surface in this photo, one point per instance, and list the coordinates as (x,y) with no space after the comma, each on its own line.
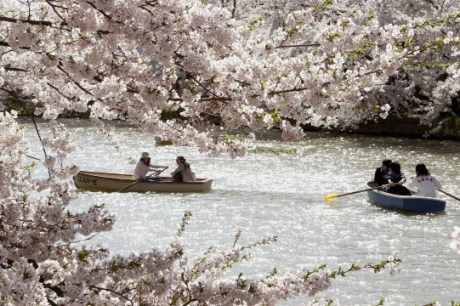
(264,194)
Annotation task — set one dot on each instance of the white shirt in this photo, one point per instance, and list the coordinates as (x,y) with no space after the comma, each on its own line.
(142,169)
(187,174)
(426,185)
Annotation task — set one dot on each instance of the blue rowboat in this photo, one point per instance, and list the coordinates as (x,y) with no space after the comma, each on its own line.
(412,203)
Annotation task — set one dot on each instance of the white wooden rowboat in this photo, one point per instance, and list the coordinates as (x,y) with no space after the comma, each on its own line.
(116,182)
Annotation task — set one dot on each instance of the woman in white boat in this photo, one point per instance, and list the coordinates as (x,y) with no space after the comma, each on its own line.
(424,183)
(183,172)
(143,167)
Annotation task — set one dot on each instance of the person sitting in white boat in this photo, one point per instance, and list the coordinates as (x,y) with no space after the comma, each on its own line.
(183,172)
(143,167)
(424,183)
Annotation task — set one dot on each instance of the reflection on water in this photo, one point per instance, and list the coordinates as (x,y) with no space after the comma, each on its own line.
(265,194)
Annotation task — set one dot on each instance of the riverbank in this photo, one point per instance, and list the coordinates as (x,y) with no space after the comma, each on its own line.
(445,127)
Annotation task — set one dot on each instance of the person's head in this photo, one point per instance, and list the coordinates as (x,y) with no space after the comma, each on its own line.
(385,164)
(420,169)
(182,160)
(145,157)
(395,167)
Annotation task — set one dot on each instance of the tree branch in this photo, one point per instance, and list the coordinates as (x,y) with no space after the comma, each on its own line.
(58,91)
(373,71)
(204,99)
(291,90)
(9,68)
(99,10)
(73,81)
(29,21)
(53,6)
(297,46)
(112,291)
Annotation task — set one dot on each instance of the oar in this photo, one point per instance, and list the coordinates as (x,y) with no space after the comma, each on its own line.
(156,173)
(333,196)
(450,195)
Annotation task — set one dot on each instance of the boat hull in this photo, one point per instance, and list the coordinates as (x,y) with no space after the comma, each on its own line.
(114,182)
(407,203)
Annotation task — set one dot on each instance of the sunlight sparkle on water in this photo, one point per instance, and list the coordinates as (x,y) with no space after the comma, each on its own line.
(264,194)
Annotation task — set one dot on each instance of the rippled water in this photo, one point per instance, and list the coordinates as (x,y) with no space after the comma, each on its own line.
(264,194)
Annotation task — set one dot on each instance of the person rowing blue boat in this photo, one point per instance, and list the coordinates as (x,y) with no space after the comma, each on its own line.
(381,173)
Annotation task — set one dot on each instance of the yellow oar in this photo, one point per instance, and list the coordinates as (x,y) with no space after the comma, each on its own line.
(333,196)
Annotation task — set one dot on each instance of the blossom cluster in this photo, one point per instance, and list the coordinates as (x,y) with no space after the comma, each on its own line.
(333,64)
(41,262)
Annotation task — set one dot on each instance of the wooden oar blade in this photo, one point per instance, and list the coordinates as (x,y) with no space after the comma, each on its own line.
(330,197)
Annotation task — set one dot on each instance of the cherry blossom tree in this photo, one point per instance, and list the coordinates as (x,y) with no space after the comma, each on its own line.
(326,65)
(41,264)
(427,84)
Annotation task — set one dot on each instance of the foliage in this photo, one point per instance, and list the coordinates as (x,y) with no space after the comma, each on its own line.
(276,151)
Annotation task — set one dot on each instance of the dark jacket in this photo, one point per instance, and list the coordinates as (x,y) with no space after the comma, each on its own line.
(398,189)
(380,177)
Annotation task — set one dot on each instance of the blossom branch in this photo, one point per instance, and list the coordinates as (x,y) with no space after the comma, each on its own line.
(114,292)
(55,9)
(298,46)
(29,21)
(60,67)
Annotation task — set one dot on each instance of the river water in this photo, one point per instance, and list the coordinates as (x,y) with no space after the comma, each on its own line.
(265,194)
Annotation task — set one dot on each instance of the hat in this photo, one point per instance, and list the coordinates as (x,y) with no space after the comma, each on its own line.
(145,154)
